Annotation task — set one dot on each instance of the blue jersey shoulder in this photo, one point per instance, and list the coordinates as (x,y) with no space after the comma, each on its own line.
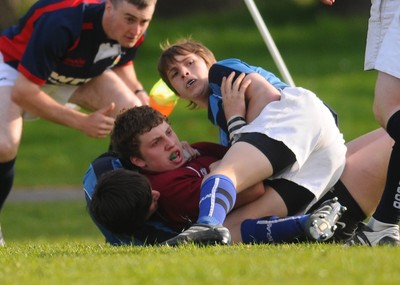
(222,69)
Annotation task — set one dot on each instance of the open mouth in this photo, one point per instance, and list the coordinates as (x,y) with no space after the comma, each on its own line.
(190,83)
(173,156)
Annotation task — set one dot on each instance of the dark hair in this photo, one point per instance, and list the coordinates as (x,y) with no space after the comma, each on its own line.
(128,126)
(121,201)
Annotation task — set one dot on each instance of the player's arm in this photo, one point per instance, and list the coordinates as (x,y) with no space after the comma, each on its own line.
(31,98)
(128,74)
(246,95)
(328,2)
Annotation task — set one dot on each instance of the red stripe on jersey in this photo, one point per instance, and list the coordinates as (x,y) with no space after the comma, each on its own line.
(87,26)
(140,41)
(30,76)
(128,63)
(14,49)
(75,44)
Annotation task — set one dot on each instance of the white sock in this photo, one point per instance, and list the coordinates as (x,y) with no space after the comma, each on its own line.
(376,225)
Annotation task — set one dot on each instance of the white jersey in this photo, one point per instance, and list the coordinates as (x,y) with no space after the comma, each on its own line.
(383,39)
(306,126)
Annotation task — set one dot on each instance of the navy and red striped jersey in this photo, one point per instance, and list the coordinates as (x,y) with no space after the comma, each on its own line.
(63,42)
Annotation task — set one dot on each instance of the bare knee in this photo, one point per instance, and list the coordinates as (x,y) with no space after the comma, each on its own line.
(378,114)
(10,139)
(8,149)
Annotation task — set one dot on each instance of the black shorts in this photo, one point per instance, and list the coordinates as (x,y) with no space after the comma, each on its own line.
(279,155)
(296,197)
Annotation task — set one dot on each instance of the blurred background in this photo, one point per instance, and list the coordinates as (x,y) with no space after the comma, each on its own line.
(11,9)
(322,46)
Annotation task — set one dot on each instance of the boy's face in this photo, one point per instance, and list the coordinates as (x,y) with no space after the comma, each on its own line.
(189,76)
(125,23)
(161,150)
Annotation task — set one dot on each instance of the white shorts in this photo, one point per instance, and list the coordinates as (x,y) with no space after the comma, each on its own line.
(306,126)
(383,39)
(61,94)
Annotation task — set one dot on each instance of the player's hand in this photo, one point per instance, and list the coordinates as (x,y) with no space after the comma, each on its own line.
(328,2)
(233,95)
(100,123)
(188,151)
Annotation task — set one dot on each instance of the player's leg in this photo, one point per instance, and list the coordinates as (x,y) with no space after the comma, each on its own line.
(383,226)
(242,166)
(362,181)
(251,160)
(384,222)
(281,198)
(103,90)
(10,130)
(269,204)
(367,161)
(383,55)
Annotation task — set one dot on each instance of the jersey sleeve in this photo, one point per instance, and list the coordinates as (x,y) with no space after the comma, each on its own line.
(50,40)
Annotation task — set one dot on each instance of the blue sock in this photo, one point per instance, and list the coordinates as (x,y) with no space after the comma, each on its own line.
(6,180)
(217,198)
(273,229)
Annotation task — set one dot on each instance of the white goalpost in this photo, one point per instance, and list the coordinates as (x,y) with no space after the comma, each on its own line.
(269,42)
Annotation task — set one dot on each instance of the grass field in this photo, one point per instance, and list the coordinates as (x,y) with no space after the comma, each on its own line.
(87,263)
(56,243)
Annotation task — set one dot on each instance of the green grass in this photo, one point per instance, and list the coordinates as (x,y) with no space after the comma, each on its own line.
(87,263)
(56,243)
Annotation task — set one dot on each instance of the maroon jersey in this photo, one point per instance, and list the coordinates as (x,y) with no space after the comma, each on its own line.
(180,188)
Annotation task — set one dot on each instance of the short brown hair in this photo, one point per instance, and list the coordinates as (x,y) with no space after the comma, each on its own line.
(181,47)
(128,126)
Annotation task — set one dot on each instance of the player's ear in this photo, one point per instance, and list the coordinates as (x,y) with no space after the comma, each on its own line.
(137,162)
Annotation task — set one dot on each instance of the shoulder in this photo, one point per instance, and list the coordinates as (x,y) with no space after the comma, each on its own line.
(104,163)
(225,67)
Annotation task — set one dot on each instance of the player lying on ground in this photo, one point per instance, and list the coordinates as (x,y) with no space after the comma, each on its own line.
(285,135)
(176,183)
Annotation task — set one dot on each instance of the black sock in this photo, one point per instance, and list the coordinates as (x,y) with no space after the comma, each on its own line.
(393,126)
(6,179)
(388,210)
